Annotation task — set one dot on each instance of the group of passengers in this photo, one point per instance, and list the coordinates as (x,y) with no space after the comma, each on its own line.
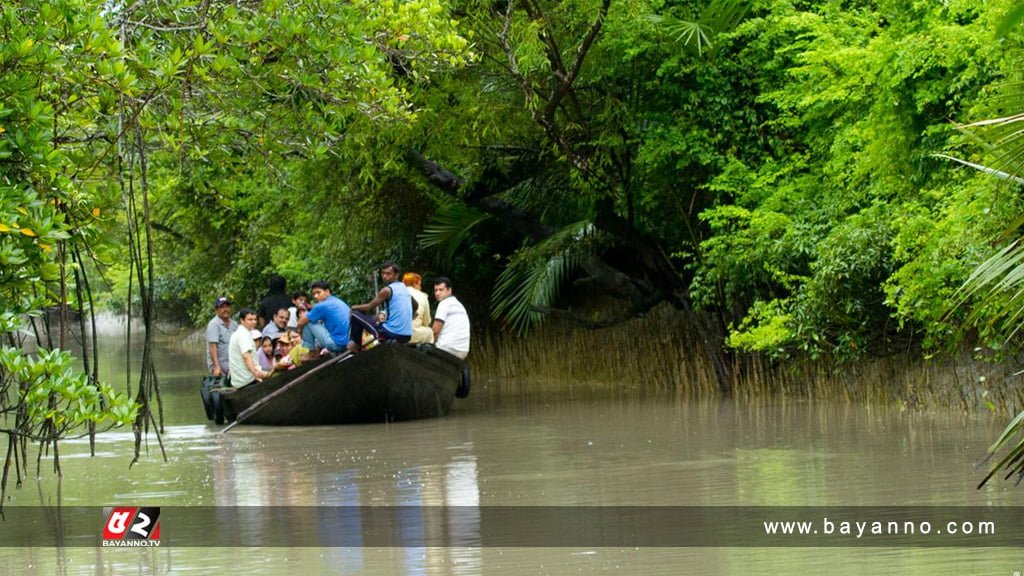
(285,331)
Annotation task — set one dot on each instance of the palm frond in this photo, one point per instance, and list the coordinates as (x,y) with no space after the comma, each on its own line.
(449,229)
(717,16)
(982,168)
(1003,138)
(536,195)
(1011,20)
(1003,272)
(689,33)
(533,277)
(724,15)
(996,289)
(1013,462)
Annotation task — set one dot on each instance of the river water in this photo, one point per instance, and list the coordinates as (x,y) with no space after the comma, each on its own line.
(528,444)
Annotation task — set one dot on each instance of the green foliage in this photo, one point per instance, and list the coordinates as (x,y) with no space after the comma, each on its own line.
(267,129)
(791,156)
(48,400)
(839,232)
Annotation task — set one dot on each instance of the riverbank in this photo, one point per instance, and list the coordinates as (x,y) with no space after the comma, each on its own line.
(660,350)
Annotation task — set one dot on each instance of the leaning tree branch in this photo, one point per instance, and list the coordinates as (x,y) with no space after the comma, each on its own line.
(451,184)
(567,78)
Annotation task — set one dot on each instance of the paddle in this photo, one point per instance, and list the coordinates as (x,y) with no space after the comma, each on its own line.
(266,399)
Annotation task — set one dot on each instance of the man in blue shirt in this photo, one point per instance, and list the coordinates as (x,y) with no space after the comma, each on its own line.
(398,302)
(327,324)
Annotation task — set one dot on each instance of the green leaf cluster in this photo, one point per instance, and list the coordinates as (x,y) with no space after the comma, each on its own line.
(47,399)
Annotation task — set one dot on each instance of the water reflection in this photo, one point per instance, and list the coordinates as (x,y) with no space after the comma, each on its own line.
(253,470)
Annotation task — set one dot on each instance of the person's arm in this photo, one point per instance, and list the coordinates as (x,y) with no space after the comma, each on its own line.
(436,327)
(379,299)
(215,360)
(253,368)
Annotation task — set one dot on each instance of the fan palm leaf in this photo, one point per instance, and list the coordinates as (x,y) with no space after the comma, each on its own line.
(717,16)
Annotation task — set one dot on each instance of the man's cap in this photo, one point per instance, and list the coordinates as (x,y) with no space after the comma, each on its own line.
(285,338)
(256,334)
(222,301)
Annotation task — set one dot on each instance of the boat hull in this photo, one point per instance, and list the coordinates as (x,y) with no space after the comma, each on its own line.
(390,382)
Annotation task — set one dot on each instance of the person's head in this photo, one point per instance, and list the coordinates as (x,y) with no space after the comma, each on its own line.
(247,318)
(442,288)
(277,284)
(300,297)
(257,337)
(320,290)
(412,279)
(284,344)
(267,343)
(287,340)
(390,272)
(222,307)
(280,318)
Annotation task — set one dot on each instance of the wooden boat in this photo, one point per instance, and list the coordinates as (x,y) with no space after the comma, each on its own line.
(389,382)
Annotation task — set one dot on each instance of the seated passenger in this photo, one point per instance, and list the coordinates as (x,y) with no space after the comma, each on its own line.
(290,352)
(241,359)
(451,323)
(421,329)
(300,303)
(277,325)
(326,325)
(265,353)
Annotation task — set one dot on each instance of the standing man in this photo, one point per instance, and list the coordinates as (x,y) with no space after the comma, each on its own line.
(326,324)
(274,300)
(218,334)
(398,302)
(241,351)
(422,333)
(451,322)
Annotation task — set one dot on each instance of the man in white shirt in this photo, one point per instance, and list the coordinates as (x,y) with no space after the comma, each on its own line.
(241,351)
(451,322)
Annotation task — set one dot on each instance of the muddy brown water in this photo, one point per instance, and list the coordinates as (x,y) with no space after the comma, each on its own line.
(529,443)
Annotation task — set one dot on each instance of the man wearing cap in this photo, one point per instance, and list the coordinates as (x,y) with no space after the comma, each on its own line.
(242,351)
(218,336)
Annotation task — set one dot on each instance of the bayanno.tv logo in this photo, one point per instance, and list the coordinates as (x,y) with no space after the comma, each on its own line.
(131,526)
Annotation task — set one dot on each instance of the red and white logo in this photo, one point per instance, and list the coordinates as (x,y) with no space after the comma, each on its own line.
(131,526)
